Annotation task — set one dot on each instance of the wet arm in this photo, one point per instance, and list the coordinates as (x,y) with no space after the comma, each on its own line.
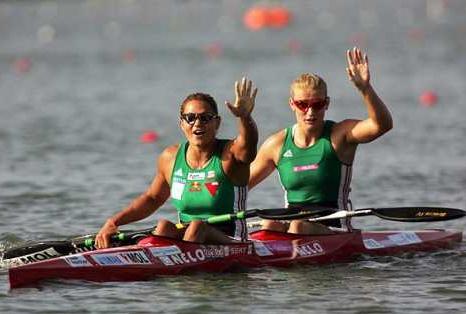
(265,163)
(379,119)
(244,147)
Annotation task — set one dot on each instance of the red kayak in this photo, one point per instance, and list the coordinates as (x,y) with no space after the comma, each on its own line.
(157,256)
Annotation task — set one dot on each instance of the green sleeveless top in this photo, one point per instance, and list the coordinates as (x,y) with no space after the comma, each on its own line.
(313,175)
(202,193)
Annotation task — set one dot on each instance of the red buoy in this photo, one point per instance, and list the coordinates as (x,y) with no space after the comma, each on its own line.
(428,98)
(278,17)
(256,18)
(149,137)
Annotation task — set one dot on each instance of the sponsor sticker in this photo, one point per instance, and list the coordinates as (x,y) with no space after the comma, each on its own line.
(179,180)
(108,259)
(262,249)
(165,250)
(34,257)
(372,244)
(405,238)
(179,172)
(172,255)
(166,260)
(195,187)
(212,187)
(177,190)
(306,168)
(210,174)
(288,154)
(193,176)
(309,249)
(121,258)
(77,261)
(214,251)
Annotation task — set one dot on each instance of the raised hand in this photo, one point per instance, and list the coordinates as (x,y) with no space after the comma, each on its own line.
(358,68)
(245,98)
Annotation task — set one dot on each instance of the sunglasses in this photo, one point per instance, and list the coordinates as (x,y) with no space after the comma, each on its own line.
(204,117)
(314,103)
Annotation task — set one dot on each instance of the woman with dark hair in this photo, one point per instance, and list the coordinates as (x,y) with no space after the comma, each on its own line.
(204,176)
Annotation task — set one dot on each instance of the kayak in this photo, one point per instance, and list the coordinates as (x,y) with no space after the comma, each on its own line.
(158,256)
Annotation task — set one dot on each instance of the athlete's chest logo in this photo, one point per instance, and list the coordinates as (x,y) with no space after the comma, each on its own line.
(212,187)
(306,167)
(195,187)
(195,176)
(288,154)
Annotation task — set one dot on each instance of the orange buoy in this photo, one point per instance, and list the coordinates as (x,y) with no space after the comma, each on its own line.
(256,18)
(278,17)
(149,137)
(428,98)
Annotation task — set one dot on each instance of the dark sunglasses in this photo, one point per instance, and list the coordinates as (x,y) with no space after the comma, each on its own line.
(204,117)
(306,104)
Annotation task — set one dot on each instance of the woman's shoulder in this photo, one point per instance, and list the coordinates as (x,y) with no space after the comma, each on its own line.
(276,139)
(169,152)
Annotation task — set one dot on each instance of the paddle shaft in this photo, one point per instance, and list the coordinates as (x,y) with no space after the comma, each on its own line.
(48,249)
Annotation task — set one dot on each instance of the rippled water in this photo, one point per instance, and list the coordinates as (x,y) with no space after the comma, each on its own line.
(70,154)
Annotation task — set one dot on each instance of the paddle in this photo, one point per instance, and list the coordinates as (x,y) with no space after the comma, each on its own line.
(403,214)
(37,251)
(44,250)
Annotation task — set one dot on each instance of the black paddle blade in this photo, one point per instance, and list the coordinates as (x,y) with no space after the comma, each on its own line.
(37,251)
(418,214)
(290,213)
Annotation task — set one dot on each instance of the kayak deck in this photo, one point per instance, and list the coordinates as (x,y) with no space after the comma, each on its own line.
(157,256)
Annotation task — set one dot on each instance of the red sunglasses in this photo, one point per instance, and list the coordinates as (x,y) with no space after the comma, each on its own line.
(314,103)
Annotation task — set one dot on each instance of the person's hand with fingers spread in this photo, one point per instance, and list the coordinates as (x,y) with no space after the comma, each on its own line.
(245,99)
(358,68)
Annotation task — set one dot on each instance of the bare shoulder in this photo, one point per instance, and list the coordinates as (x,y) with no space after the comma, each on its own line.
(169,152)
(270,149)
(167,159)
(341,129)
(275,140)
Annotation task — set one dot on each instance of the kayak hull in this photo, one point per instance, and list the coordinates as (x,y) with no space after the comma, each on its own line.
(158,256)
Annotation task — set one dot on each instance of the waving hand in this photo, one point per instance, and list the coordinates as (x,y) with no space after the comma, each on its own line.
(245,98)
(358,68)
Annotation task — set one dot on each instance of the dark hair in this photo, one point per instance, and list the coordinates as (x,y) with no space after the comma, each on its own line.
(201,97)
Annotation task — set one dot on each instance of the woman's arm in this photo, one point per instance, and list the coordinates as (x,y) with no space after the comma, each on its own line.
(379,120)
(244,146)
(144,205)
(267,159)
